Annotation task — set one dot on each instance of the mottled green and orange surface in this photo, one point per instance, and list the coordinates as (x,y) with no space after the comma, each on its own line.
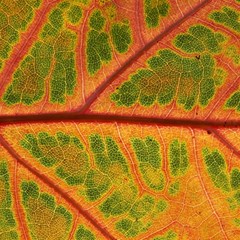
(120,119)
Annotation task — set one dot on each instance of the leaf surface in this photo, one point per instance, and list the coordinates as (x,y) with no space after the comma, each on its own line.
(119,119)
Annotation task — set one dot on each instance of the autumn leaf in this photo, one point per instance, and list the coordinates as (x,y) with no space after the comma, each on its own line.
(119,119)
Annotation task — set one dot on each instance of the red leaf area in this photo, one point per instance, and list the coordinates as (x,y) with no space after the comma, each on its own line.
(120,119)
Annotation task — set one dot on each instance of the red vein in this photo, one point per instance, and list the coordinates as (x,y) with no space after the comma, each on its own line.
(107,118)
(164,160)
(74,228)
(57,189)
(80,53)
(47,83)
(233,86)
(134,170)
(19,211)
(26,41)
(136,56)
(224,141)
(160,231)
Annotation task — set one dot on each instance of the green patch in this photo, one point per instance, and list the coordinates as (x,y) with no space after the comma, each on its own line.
(8,226)
(63,153)
(179,159)
(232,203)
(15,22)
(56,18)
(74,14)
(48,199)
(174,188)
(121,36)
(235,179)
(85,2)
(233,53)
(40,207)
(66,156)
(97,21)
(154,10)
(115,205)
(111,171)
(190,81)
(9,34)
(237,222)
(33,3)
(29,190)
(96,184)
(233,101)
(3,20)
(107,156)
(147,151)
(228,17)
(84,233)
(148,154)
(98,50)
(216,168)
(4,50)
(199,39)
(15,17)
(28,80)
(63,79)
(153,177)
(219,76)
(120,201)
(161,205)
(234,200)
(130,228)
(142,207)
(236,197)
(64,5)
(43,53)
(170,235)
(115,155)
(64,139)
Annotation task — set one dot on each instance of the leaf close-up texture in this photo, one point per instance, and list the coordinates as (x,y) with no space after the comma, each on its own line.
(120,119)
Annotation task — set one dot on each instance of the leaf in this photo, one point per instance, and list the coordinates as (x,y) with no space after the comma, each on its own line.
(119,119)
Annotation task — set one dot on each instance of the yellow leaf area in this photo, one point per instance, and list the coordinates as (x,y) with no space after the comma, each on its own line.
(191,73)
(139,182)
(32,210)
(72,47)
